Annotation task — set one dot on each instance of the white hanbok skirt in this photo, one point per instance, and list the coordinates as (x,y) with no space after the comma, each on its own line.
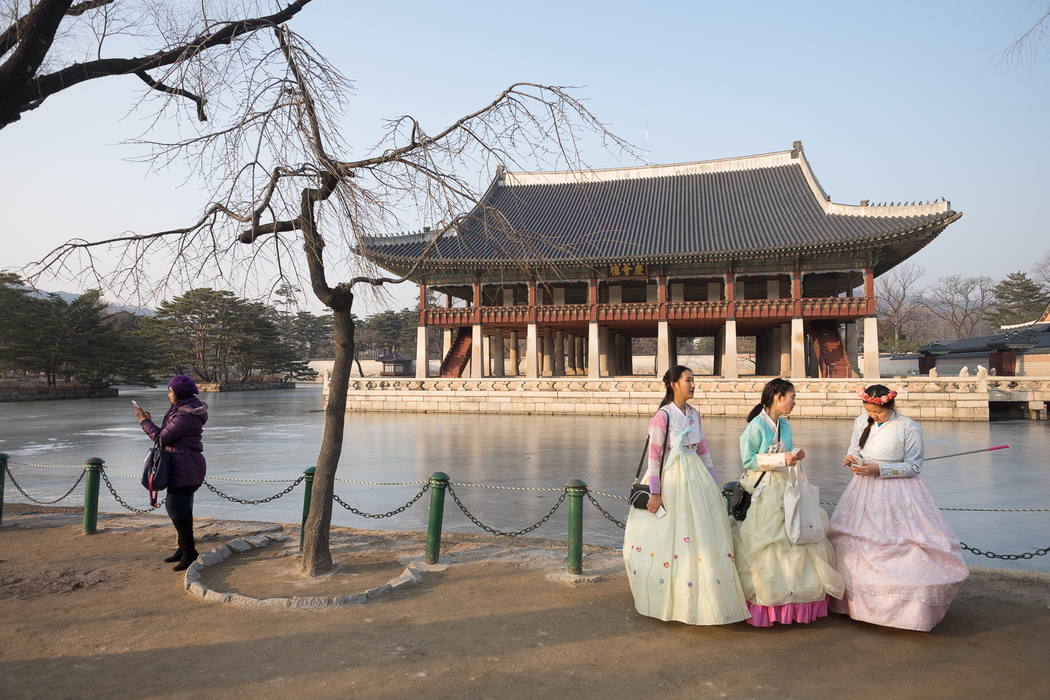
(681,567)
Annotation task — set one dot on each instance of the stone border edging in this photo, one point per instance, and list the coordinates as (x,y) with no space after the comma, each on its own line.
(192,581)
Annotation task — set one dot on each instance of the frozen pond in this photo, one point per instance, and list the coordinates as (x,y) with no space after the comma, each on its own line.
(275,435)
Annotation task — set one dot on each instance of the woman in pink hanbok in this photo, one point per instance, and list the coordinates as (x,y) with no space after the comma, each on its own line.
(900,561)
(679,551)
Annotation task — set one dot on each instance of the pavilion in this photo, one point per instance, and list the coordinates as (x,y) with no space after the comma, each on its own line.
(579,263)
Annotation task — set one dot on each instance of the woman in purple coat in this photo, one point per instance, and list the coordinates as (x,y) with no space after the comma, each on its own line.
(180,435)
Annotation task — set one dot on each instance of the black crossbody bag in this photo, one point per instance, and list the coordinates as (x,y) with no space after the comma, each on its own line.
(639,497)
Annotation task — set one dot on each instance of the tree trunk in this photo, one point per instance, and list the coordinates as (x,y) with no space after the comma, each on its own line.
(316,556)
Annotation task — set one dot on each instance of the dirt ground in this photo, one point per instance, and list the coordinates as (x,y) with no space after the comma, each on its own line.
(101,616)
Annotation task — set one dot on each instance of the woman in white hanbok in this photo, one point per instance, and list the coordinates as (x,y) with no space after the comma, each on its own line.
(680,563)
(901,562)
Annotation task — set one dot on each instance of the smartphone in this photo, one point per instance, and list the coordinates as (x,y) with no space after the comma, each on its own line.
(661,512)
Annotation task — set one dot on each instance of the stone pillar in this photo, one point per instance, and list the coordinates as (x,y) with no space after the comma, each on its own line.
(798,349)
(514,360)
(548,352)
(851,346)
(559,350)
(603,351)
(663,348)
(593,348)
(571,354)
(422,361)
(785,350)
(532,365)
(477,352)
(871,348)
(628,356)
(729,368)
(614,354)
(674,348)
(446,342)
(498,368)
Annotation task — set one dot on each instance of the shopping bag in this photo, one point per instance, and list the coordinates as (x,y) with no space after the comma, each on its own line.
(802,509)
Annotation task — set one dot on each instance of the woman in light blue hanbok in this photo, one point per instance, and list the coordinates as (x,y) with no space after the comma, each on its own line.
(783,582)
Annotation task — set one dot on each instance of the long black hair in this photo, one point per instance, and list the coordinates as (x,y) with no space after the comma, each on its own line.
(875,391)
(772,389)
(670,377)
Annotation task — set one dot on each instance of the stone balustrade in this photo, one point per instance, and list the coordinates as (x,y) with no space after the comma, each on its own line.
(922,398)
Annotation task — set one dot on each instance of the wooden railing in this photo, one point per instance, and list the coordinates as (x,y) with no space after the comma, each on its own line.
(550,314)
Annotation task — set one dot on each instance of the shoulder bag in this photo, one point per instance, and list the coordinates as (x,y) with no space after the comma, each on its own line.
(639,497)
(156,471)
(738,499)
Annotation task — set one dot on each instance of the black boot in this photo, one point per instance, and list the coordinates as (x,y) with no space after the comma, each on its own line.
(177,556)
(184,526)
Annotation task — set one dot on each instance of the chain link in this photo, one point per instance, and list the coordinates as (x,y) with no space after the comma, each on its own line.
(506,488)
(121,501)
(43,503)
(493,531)
(604,512)
(971,510)
(609,495)
(385,483)
(274,497)
(47,466)
(376,516)
(1006,557)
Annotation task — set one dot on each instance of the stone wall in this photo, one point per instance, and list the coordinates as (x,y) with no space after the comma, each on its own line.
(246,386)
(42,394)
(955,398)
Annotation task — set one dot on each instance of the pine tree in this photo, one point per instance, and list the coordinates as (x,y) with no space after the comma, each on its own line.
(1018,299)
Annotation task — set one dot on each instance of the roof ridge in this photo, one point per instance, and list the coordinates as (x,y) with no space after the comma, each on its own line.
(637,172)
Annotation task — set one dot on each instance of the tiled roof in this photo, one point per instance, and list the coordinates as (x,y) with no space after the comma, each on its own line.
(710,209)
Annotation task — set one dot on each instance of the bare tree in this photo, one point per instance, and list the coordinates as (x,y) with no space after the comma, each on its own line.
(283,191)
(1041,271)
(961,302)
(1026,47)
(896,298)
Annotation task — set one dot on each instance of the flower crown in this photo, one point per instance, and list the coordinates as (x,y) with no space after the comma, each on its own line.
(881,400)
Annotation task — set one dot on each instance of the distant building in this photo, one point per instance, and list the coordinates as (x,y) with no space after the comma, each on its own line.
(1019,350)
(748,246)
(396,365)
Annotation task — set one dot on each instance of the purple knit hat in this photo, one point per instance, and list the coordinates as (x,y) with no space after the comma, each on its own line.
(183,385)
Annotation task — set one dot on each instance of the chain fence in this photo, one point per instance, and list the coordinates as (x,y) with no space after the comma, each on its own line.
(518,533)
(121,501)
(426,487)
(258,501)
(377,516)
(44,503)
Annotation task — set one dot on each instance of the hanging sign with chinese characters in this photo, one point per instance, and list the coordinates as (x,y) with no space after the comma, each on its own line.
(625,270)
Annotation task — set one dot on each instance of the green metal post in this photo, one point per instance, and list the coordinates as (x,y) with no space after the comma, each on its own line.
(306,501)
(3,476)
(438,484)
(576,490)
(94,468)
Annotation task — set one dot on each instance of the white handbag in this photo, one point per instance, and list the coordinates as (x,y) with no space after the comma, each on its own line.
(802,509)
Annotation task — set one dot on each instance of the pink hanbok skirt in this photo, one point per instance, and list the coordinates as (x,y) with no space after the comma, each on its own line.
(899,559)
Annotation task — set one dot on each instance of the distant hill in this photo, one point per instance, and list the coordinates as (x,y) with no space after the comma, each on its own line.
(111,308)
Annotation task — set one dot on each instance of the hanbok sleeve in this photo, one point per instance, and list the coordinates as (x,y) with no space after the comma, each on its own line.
(657,438)
(911,435)
(854,443)
(704,452)
(754,449)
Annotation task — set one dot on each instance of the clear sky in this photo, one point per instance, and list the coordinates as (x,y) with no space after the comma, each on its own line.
(893,101)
